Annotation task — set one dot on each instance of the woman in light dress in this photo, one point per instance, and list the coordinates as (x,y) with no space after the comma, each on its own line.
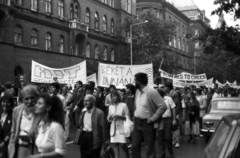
(51,136)
(117,115)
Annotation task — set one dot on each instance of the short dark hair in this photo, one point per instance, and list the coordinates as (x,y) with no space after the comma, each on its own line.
(80,83)
(91,83)
(169,85)
(56,85)
(8,85)
(198,90)
(8,98)
(142,78)
(131,87)
(161,92)
(112,86)
(89,87)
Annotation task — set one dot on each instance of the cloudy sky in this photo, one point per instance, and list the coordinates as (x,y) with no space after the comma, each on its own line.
(208,6)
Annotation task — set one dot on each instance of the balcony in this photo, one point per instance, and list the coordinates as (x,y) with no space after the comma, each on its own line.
(75,24)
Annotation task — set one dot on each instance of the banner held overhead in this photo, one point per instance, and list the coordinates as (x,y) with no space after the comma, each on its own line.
(69,75)
(184,76)
(121,75)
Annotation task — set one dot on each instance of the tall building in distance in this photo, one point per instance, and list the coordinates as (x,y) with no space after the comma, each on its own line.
(60,33)
(179,46)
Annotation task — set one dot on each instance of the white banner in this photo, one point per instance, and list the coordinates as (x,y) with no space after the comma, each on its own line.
(69,75)
(121,75)
(184,76)
(180,84)
(93,78)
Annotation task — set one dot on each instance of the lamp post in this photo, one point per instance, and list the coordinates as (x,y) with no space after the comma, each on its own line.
(131,36)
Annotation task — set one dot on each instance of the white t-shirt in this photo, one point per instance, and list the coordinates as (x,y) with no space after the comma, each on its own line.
(51,137)
(170,105)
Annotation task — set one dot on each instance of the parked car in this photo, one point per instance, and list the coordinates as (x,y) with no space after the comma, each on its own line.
(225,142)
(218,108)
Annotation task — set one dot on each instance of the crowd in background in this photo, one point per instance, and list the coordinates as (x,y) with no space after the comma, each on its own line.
(42,116)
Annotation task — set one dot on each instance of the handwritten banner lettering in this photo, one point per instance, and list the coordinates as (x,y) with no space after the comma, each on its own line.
(69,75)
(184,76)
(121,75)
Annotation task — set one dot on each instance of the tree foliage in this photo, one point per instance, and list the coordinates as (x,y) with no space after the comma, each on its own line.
(228,6)
(149,40)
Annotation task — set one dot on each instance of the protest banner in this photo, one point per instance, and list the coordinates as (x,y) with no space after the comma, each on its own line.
(121,75)
(180,84)
(184,76)
(69,75)
(93,78)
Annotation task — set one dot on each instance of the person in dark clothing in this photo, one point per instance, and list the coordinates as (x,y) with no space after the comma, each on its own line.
(130,99)
(193,110)
(7,104)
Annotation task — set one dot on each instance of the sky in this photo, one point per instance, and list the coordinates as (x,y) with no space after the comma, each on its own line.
(208,6)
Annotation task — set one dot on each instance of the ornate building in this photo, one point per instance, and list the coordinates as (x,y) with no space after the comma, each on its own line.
(179,47)
(60,33)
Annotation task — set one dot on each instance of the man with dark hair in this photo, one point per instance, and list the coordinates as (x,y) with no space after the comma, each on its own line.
(178,102)
(149,108)
(7,87)
(108,100)
(55,88)
(78,94)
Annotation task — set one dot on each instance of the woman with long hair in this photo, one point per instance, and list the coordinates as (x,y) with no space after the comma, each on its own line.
(193,111)
(117,114)
(7,104)
(51,136)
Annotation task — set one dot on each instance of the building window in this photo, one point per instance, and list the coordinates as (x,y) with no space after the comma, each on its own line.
(104,23)
(19,2)
(71,11)
(76,11)
(48,6)
(18,32)
(88,50)
(179,43)
(34,4)
(97,51)
(96,20)
(174,41)
(60,8)
(113,3)
(34,38)
(170,42)
(112,55)
(48,41)
(87,16)
(187,46)
(183,45)
(105,1)
(61,44)
(110,2)
(104,53)
(112,26)
(128,6)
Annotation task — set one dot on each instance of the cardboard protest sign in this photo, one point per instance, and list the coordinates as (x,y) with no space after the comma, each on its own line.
(184,76)
(93,78)
(69,75)
(180,84)
(121,75)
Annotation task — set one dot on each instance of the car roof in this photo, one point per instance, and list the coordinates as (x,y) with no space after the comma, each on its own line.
(227,99)
(230,118)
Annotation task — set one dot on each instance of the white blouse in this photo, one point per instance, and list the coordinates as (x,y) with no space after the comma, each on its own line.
(51,137)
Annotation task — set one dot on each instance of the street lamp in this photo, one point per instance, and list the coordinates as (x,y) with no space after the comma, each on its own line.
(131,36)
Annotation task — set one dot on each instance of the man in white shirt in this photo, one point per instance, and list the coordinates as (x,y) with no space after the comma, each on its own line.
(165,130)
(93,129)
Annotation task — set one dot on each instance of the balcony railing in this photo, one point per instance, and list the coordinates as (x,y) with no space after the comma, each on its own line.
(75,24)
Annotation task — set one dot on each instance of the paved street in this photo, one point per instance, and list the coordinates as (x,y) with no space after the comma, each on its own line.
(186,151)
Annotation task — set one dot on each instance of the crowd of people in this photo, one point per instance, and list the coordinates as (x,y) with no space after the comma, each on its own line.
(42,115)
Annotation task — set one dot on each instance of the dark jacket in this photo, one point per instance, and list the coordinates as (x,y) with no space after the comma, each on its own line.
(193,107)
(98,127)
(5,131)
